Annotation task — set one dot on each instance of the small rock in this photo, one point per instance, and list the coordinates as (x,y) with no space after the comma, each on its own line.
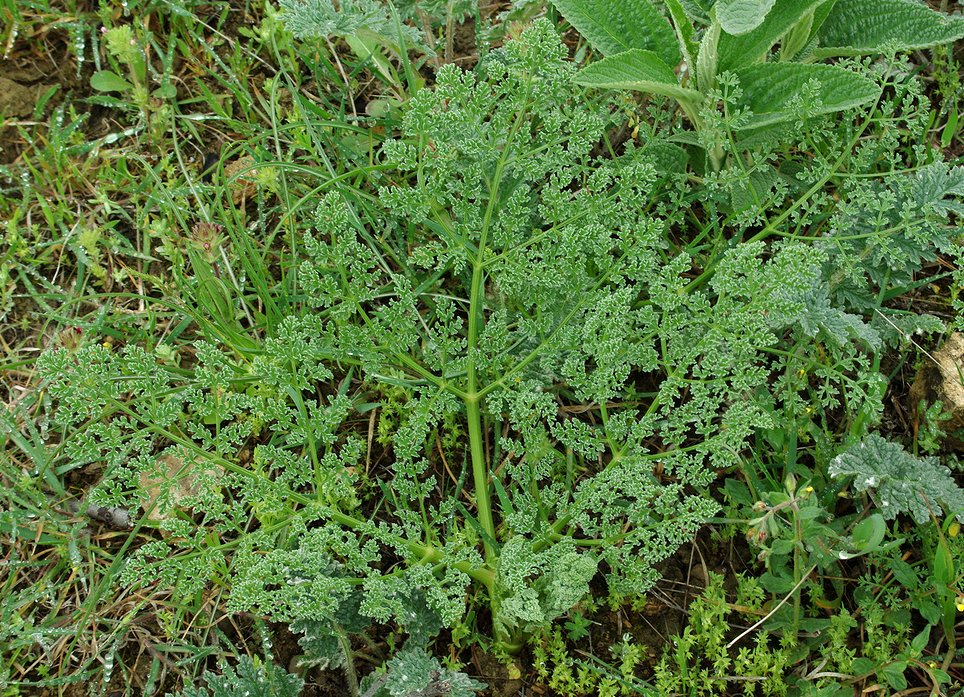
(16,100)
(943,379)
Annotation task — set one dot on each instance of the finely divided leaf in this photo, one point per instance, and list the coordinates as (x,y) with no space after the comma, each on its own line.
(736,51)
(614,27)
(770,89)
(253,677)
(739,17)
(635,70)
(939,188)
(308,19)
(856,27)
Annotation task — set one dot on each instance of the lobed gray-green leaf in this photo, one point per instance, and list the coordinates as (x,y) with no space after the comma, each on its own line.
(900,482)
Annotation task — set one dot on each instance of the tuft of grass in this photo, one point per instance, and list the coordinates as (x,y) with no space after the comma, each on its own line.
(100,210)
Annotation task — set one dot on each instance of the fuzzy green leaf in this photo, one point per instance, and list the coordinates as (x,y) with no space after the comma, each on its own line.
(614,27)
(856,27)
(736,51)
(685,32)
(308,19)
(415,673)
(739,17)
(901,482)
(772,91)
(639,70)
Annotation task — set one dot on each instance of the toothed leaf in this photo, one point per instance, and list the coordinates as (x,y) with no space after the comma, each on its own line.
(614,27)
(856,27)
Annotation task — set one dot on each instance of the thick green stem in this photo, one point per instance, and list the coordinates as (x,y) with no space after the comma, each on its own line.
(480,475)
(473,396)
(480,467)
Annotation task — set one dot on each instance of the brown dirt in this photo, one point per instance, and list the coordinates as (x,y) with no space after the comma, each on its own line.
(939,378)
(25,77)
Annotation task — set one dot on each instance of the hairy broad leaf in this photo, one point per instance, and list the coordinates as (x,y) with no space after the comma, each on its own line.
(739,17)
(774,91)
(736,51)
(613,27)
(637,69)
(900,482)
(856,27)
(698,10)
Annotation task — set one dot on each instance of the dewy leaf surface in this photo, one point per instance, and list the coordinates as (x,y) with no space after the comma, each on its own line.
(735,51)
(855,27)
(634,70)
(770,90)
(901,482)
(614,27)
(739,17)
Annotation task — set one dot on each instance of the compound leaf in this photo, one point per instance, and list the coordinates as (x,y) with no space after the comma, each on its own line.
(253,677)
(412,672)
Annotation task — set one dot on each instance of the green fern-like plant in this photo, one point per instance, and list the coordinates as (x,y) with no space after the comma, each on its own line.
(251,678)
(493,276)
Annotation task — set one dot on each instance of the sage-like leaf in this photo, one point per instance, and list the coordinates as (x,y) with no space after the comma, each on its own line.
(742,16)
(738,51)
(639,70)
(857,27)
(769,90)
(612,28)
